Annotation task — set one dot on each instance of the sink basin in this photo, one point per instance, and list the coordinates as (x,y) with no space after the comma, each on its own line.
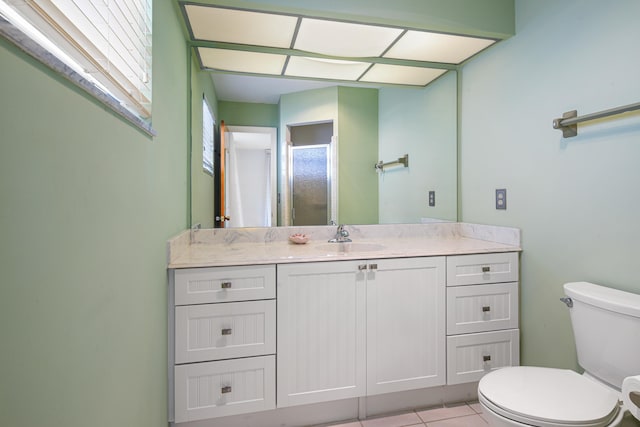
(349,247)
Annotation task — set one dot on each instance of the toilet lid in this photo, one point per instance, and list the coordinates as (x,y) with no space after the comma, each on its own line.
(549,396)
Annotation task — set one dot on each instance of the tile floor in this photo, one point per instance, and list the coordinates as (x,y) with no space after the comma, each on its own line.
(461,415)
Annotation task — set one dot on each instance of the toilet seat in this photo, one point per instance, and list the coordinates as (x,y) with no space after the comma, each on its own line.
(546,397)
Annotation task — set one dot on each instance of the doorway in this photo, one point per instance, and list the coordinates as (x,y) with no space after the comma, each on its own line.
(311,166)
(251,176)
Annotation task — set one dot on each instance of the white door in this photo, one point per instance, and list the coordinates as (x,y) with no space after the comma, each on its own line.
(321,332)
(251,178)
(405,324)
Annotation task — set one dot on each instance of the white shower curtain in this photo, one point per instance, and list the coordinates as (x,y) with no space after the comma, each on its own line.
(234,191)
(248,185)
(267,188)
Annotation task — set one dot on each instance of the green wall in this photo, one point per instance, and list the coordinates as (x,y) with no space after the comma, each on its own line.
(357,153)
(354,112)
(576,200)
(421,123)
(249,114)
(202,184)
(87,204)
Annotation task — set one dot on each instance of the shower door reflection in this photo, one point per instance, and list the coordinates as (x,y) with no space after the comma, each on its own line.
(310,184)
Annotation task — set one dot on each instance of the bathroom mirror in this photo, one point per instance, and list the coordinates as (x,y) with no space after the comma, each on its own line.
(370,125)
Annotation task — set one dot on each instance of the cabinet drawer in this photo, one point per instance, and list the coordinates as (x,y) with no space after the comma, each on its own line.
(471,356)
(224,284)
(224,331)
(479,308)
(227,387)
(482,268)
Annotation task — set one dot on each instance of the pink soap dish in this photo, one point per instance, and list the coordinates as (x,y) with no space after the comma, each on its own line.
(299,239)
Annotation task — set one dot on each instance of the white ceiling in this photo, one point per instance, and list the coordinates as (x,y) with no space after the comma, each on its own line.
(256,56)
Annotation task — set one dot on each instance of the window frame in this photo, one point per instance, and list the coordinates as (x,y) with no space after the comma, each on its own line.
(66,67)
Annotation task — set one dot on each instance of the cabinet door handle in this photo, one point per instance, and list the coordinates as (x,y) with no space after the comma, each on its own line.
(486,358)
(226,331)
(362,267)
(225,285)
(373,266)
(486,269)
(486,308)
(226,389)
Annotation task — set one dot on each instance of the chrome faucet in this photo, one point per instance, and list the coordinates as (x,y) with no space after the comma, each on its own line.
(342,235)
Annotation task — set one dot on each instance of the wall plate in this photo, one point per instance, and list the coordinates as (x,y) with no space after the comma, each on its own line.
(501,198)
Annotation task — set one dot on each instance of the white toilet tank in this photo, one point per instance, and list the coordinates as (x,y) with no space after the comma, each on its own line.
(606,325)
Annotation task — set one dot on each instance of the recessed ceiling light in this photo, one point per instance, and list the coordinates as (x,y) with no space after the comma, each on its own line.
(345,39)
(241,61)
(434,47)
(241,26)
(400,74)
(299,66)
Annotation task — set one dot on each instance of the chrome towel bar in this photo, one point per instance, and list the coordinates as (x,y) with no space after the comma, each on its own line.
(404,160)
(568,123)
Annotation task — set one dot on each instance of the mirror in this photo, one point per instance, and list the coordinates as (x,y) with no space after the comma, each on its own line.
(371,124)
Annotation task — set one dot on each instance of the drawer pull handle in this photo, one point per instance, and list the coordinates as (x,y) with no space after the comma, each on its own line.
(373,266)
(486,358)
(362,267)
(226,331)
(486,308)
(486,269)
(225,285)
(226,389)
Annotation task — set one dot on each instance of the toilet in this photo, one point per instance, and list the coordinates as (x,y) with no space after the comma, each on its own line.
(606,326)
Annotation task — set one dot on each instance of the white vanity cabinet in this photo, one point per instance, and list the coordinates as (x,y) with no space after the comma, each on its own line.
(321,332)
(357,328)
(224,341)
(405,324)
(482,315)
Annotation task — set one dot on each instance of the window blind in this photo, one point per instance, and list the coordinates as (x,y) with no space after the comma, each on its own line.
(208,131)
(109,39)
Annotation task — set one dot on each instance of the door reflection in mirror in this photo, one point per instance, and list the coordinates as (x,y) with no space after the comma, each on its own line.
(250,194)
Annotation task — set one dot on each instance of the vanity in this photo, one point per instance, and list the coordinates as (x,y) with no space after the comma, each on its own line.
(404,316)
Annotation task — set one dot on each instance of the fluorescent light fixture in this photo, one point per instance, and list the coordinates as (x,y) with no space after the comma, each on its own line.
(434,47)
(299,66)
(240,26)
(345,39)
(241,61)
(400,74)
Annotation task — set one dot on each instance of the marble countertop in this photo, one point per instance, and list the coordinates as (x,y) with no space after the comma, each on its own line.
(210,248)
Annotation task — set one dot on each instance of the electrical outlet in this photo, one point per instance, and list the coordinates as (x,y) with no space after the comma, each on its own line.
(501,198)
(432,198)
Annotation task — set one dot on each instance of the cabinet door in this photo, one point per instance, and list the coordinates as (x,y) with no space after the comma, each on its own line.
(405,324)
(471,356)
(224,284)
(321,335)
(480,308)
(224,331)
(225,387)
(482,268)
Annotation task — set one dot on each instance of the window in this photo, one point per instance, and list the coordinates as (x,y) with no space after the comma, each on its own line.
(106,42)
(208,130)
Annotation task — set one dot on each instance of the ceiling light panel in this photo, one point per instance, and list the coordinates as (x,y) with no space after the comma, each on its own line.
(344,39)
(241,61)
(299,66)
(240,26)
(400,74)
(434,47)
